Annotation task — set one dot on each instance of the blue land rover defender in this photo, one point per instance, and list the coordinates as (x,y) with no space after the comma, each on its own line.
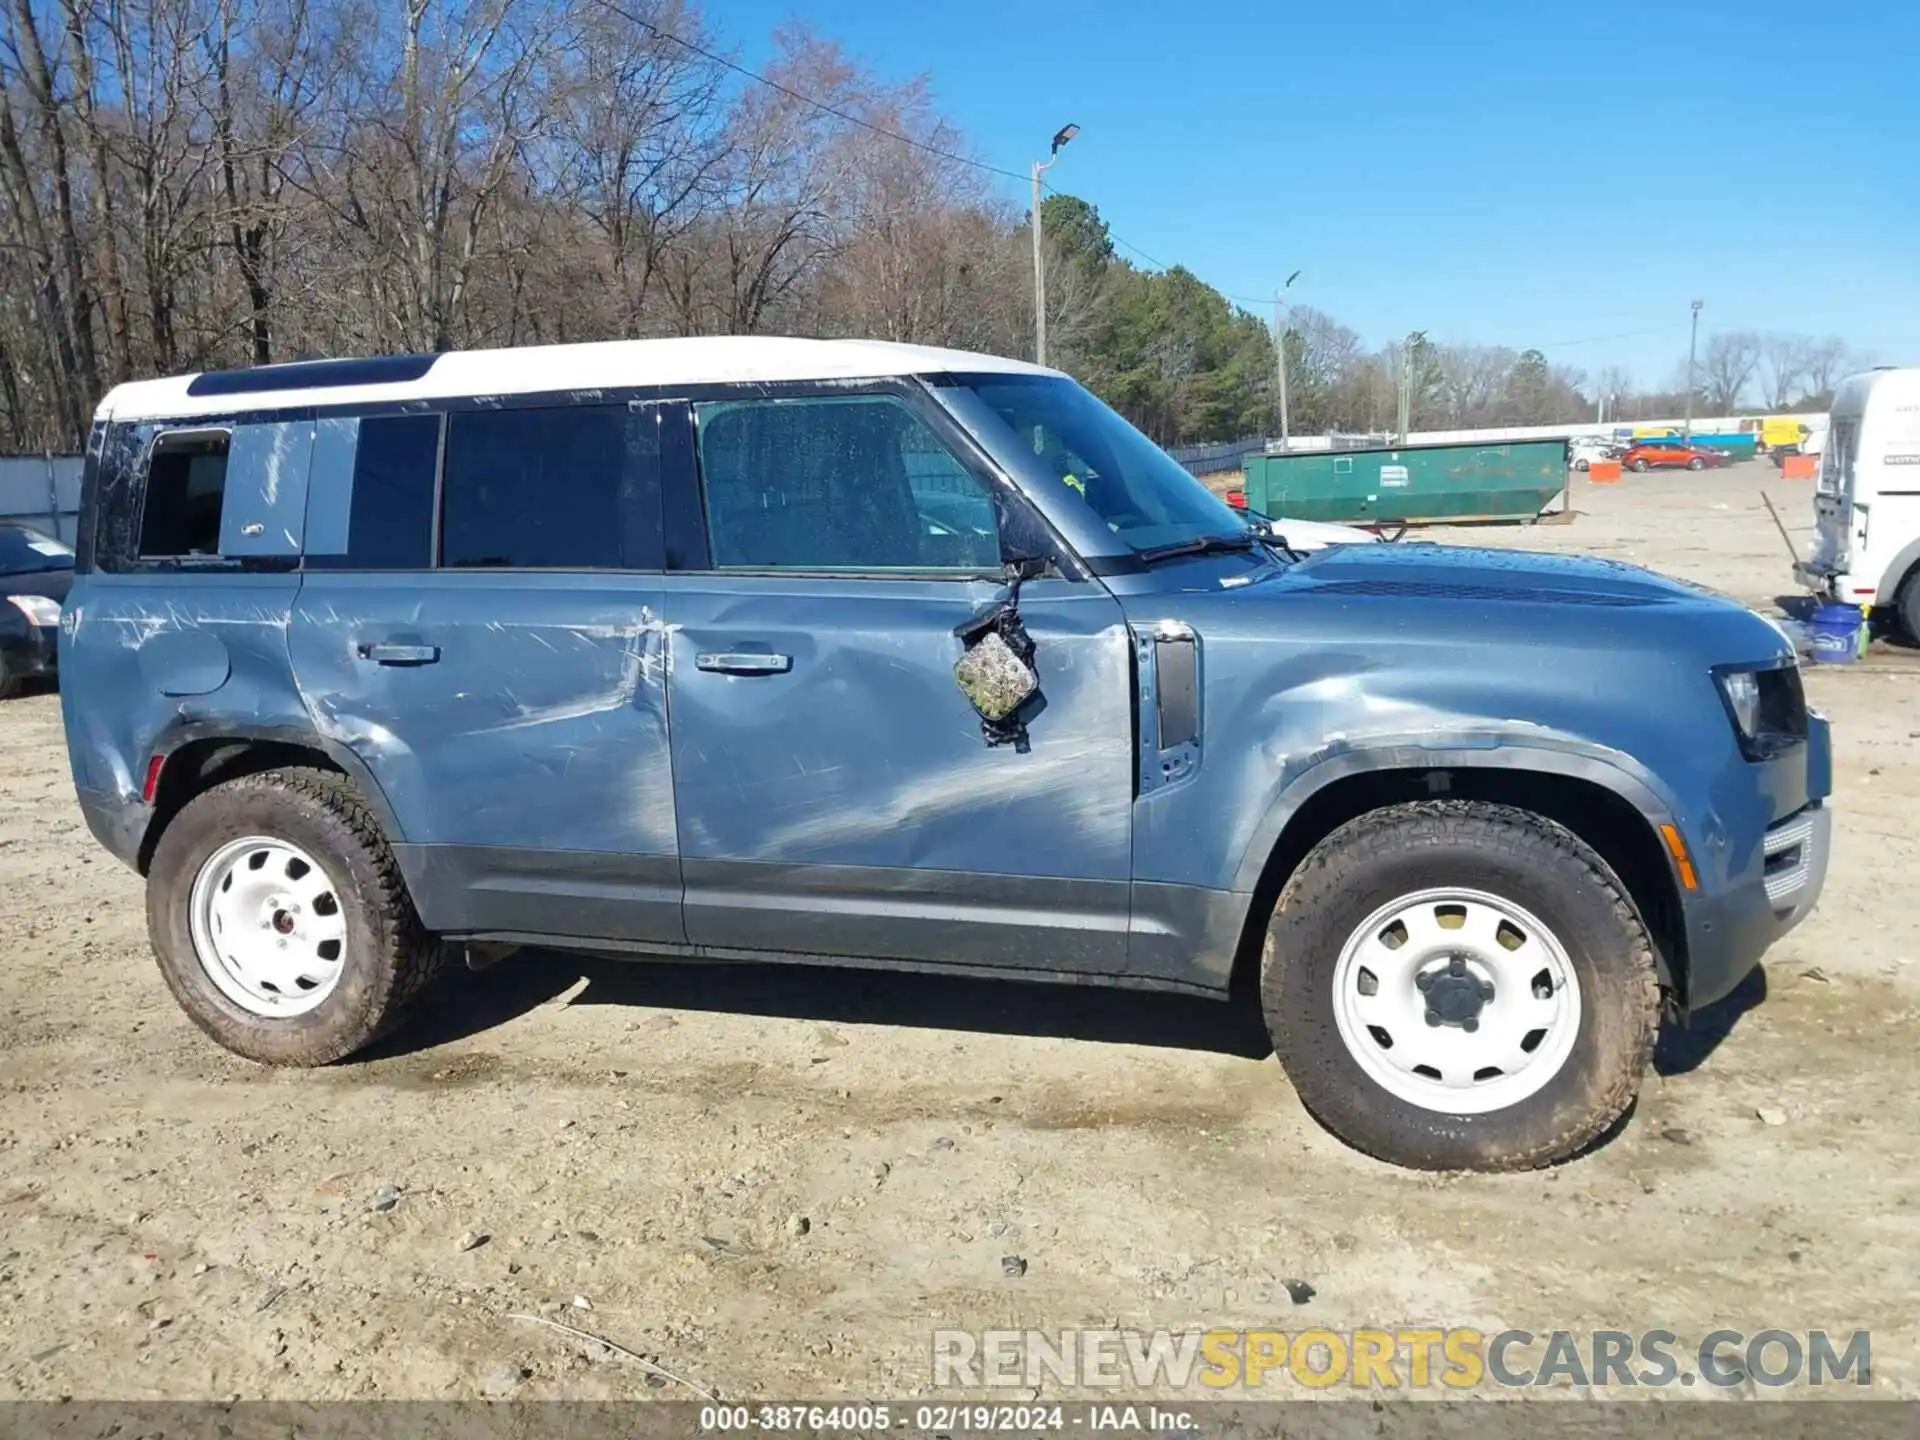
(861,654)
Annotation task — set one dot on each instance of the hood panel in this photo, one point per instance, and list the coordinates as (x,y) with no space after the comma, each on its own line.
(1438,572)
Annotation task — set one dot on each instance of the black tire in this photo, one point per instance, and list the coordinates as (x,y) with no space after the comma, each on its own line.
(1580,465)
(1907,607)
(1510,853)
(390,959)
(1638,465)
(9,682)
(1696,463)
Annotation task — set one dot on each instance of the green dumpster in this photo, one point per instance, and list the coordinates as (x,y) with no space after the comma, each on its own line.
(1414,483)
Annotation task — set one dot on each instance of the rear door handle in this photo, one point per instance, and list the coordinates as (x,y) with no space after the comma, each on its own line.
(744,662)
(393,653)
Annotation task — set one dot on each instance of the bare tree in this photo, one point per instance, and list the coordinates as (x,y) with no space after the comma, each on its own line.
(1727,367)
(1827,362)
(1783,367)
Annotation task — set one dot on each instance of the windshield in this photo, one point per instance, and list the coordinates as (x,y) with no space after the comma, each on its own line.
(1131,483)
(24,550)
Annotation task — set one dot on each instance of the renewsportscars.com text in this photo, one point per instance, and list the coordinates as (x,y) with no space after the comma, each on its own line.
(1409,1358)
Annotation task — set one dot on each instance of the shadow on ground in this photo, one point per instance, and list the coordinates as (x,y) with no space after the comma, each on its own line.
(1683,1049)
(469,1003)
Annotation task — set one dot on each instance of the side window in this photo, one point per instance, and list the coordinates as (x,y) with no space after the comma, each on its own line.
(572,488)
(376,475)
(839,483)
(186,484)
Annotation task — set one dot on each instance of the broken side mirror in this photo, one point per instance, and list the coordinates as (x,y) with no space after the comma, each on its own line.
(994,678)
(996,671)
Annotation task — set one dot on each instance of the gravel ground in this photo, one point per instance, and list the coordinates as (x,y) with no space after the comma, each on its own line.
(779,1182)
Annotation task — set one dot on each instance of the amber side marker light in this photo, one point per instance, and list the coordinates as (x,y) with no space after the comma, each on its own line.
(1677,848)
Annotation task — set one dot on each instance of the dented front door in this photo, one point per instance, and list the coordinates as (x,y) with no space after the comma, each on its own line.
(835,794)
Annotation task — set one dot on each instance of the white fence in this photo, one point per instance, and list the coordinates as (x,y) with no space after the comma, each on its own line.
(42,491)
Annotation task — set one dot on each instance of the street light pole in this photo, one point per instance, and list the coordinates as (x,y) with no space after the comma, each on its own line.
(1280,354)
(1693,338)
(1061,137)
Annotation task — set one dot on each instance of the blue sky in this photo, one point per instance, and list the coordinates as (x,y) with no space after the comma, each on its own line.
(1524,172)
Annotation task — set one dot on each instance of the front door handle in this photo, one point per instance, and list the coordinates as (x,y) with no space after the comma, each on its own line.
(394,653)
(744,662)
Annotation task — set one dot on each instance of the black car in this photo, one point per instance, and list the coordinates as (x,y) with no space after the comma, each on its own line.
(36,571)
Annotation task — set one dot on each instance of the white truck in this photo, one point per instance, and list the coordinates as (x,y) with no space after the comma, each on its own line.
(1866,503)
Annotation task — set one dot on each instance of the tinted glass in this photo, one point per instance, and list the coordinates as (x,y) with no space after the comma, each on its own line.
(390,525)
(569,488)
(842,483)
(186,482)
(24,550)
(1140,491)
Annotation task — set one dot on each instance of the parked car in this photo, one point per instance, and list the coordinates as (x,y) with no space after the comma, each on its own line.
(35,571)
(1583,450)
(1671,455)
(647,648)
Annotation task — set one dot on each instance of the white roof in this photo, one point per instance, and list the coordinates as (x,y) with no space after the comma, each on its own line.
(1888,386)
(709,359)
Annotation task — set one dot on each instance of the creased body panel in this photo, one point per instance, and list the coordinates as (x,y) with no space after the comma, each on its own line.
(862,754)
(146,653)
(521,713)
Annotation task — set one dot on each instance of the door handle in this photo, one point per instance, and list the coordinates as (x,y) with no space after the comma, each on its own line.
(393,653)
(744,662)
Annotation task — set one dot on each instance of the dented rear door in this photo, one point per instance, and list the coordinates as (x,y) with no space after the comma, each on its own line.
(481,624)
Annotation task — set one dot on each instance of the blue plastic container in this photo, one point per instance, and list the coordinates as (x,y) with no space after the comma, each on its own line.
(1836,634)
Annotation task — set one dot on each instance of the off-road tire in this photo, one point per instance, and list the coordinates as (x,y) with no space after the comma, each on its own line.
(390,959)
(1504,851)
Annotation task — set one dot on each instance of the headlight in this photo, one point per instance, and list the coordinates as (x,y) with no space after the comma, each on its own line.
(1742,689)
(38,609)
(1768,708)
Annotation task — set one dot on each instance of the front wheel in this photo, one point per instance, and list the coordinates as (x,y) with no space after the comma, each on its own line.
(280,920)
(1696,463)
(1457,985)
(1580,465)
(1639,465)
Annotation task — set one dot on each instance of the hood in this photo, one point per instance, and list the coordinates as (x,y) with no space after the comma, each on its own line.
(54,584)
(1449,572)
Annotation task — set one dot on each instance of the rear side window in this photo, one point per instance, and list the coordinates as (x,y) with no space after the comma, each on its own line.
(186,485)
(573,488)
(390,495)
(839,483)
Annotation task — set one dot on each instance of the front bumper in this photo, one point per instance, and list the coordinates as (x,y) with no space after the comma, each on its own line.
(1728,933)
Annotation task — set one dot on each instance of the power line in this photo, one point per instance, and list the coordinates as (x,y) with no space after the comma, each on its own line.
(823,108)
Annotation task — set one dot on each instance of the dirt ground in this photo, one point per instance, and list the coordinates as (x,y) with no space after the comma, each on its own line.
(778,1183)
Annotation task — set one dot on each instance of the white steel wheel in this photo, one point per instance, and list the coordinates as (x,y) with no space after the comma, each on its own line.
(1456,1001)
(267,926)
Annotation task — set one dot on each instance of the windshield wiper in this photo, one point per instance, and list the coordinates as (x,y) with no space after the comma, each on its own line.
(1202,545)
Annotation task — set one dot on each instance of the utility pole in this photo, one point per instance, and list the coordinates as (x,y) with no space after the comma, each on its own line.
(1693,339)
(1280,353)
(1061,137)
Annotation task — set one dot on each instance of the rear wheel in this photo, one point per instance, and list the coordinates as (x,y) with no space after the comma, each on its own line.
(1457,985)
(9,681)
(1696,463)
(280,920)
(1639,465)
(1580,464)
